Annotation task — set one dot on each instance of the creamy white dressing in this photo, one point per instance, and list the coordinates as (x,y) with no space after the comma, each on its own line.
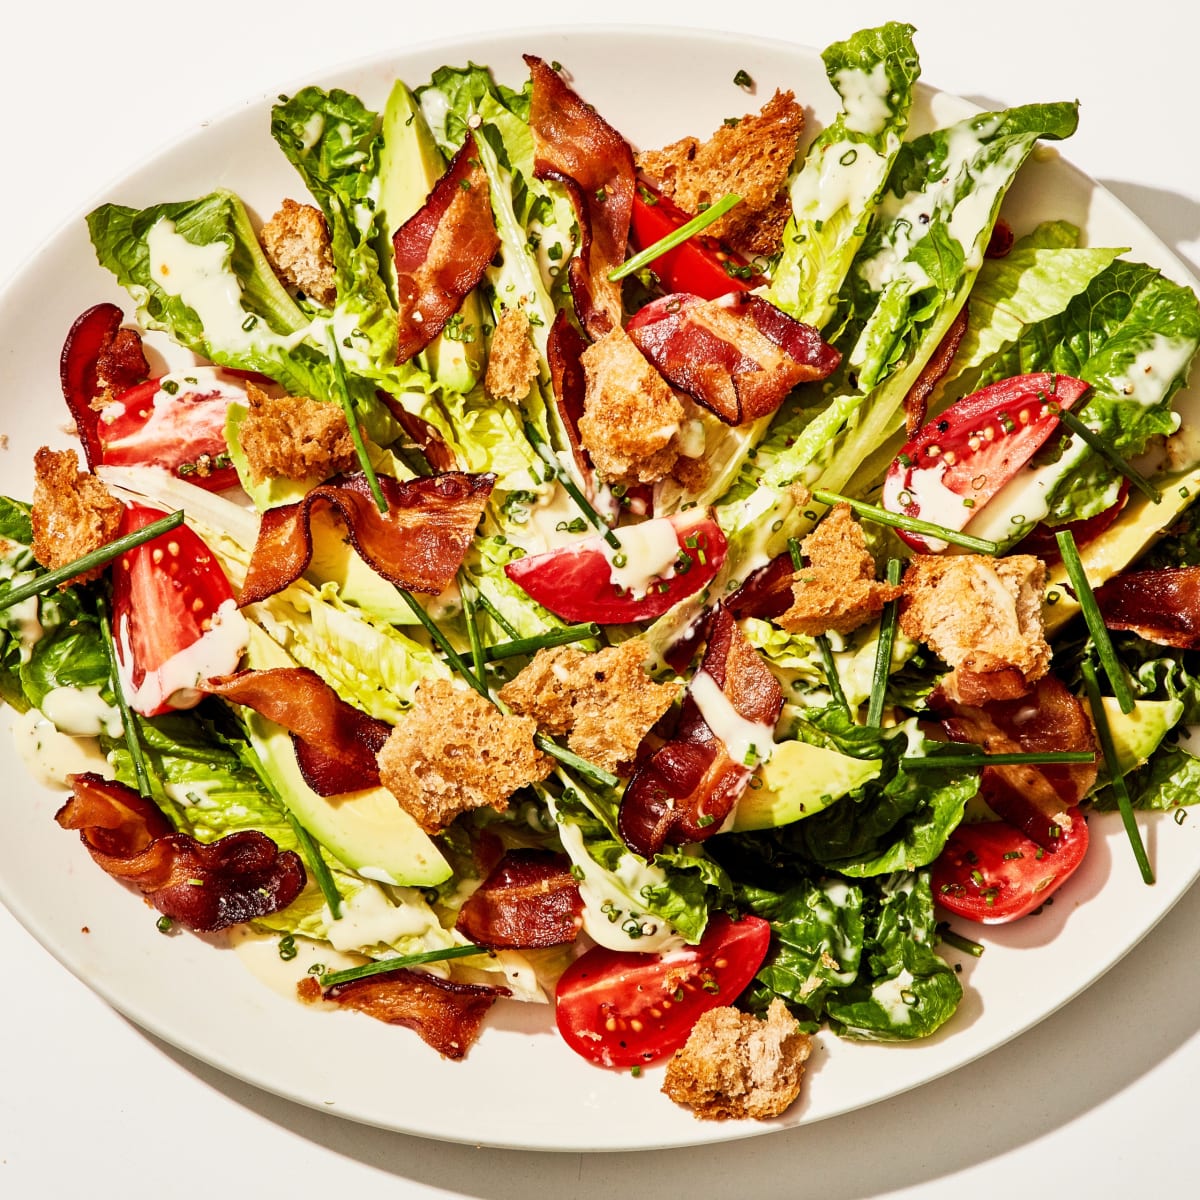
(259,954)
(648,551)
(936,502)
(747,742)
(864,98)
(50,756)
(691,438)
(889,995)
(23,619)
(82,712)
(369,919)
(311,131)
(1153,369)
(849,175)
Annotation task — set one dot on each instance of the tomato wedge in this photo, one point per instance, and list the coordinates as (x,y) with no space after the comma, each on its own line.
(583,581)
(961,459)
(701,265)
(175,621)
(992,873)
(622,1009)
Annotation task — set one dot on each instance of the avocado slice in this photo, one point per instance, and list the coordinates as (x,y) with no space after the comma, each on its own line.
(367,830)
(800,779)
(410,163)
(1137,735)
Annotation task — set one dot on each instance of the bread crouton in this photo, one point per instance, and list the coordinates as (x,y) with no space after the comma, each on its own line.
(455,752)
(512,363)
(735,1065)
(983,616)
(294,437)
(296,243)
(631,417)
(73,512)
(605,701)
(837,591)
(752,158)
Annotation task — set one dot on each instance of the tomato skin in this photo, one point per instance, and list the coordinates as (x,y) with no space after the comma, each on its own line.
(973,449)
(605,994)
(973,878)
(575,582)
(696,266)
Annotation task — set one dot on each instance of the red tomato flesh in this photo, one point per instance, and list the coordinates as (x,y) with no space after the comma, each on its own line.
(962,458)
(992,873)
(622,1009)
(575,582)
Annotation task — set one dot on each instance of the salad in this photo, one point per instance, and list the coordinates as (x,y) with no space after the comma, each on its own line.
(598,656)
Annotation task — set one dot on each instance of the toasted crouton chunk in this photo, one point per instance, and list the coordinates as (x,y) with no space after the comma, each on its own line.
(512,363)
(605,701)
(456,752)
(735,1065)
(296,242)
(837,590)
(73,512)
(294,437)
(631,417)
(983,616)
(751,158)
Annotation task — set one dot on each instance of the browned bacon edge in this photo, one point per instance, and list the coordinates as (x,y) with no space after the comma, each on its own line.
(442,251)
(529,900)
(418,545)
(427,439)
(564,350)
(916,402)
(1161,606)
(205,887)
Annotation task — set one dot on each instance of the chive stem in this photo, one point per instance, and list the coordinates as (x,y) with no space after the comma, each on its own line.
(320,868)
(881,516)
(591,772)
(937,762)
(343,395)
(530,645)
(96,558)
(883,648)
(1104,736)
(467,590)
(1095,442)
(957,940)
(676,237)
(832,678)
(382,966)
(1095,621)
(496,615)
(548,457)
(128,721)
(452,655)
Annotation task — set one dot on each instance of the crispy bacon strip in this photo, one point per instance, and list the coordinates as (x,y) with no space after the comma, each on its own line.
(418,545)
(739,356)
(335,742)
(1162,606)
(575,146)
(916,403)
(448,1016)
(767,592)
(237,878)
(437,454)
(686,789)
(529,901)
(564,349)
(442,251)
(1033,799)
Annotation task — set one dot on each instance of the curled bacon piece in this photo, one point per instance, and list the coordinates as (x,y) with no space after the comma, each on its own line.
(237,878)
(739,355)
(575,146)
(916,402)
(336,744)
(767,592)
(530,900)
(564,350)
(448,1016)
(418,545)
(1161,606)
(687,788)
(442,251)
(1034,799)
(427,439)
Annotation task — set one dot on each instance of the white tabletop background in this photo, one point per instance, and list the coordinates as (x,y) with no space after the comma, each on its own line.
(1095,1101)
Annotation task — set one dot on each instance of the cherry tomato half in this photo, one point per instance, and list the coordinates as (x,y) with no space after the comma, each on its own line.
(621,1009)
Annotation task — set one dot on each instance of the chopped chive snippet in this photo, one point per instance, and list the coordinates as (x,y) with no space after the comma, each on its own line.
(936,762)
(831,673)
(97,558)
(128,721)
(547,456)
(881,516)
(343,395)
(383,965)
(676,237)
(1095,622)
(883,648)
(958,941)
(1095,442)
(530,645)
(1104,736)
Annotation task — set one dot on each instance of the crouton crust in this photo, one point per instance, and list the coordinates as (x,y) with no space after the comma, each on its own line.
(455,752)
(982,615)
(631,417)
(752,158)
(73,512)
(837,590)
(296,243)
(512,363)
(736,1066)
(605,701)
(294,437)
